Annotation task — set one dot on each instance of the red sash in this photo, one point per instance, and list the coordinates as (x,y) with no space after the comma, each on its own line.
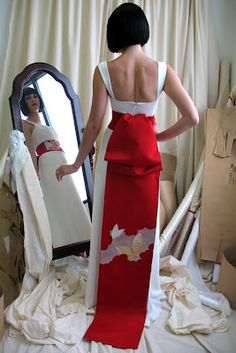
(128,231)
(48,146)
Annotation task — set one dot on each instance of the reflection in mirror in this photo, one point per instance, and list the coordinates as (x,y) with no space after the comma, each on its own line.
(57,113)
(53,133)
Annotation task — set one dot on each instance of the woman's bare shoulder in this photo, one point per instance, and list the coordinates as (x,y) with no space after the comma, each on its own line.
(27,126)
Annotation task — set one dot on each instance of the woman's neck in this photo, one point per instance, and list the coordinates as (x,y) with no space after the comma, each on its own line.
(133,50)
(34,117)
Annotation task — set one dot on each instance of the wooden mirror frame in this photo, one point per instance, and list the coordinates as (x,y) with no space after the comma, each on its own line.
(28,73)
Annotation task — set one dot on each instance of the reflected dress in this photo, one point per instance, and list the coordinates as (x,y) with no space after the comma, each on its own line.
(69,221)
(123,276)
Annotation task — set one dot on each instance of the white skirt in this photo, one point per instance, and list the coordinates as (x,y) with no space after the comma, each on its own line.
(68,218)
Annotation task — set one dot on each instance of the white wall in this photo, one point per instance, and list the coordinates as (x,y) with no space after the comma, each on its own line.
(224,20)
(5,11)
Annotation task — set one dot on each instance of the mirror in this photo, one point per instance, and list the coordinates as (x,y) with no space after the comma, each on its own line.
(60,112)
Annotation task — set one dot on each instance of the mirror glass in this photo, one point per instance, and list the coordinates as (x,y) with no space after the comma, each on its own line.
(57,113)
(61,111)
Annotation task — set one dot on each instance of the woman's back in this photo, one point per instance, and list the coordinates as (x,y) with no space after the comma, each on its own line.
(134,76)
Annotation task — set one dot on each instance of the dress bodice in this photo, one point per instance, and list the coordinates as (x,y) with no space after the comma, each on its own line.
(42,133)
(148,108)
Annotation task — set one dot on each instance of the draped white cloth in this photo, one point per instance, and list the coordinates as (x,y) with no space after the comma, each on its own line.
(71,35)
(17,167)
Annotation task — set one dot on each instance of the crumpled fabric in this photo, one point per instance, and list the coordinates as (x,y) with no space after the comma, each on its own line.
(53,309)
(187,313)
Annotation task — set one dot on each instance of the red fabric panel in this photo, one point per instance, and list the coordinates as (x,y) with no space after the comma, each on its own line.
(48,146)
(130,203)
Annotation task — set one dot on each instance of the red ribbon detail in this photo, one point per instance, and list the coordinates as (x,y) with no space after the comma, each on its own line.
(132,148)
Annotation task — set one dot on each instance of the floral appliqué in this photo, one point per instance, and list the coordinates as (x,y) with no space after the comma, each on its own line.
(130,245)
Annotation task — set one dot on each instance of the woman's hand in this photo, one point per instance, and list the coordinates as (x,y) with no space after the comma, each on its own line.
(65,170)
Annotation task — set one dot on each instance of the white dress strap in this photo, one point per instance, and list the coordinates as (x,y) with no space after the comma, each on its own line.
(162,68)
(106,77)
(30,122)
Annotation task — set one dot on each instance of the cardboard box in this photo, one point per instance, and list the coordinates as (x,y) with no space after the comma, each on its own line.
(218,221)
(11,235)
(1,313)
(227,279)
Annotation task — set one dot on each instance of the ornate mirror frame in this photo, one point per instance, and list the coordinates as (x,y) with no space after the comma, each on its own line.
(36,69)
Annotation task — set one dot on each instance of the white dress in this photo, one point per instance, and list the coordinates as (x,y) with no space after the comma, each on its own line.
(154,293)
(68,218)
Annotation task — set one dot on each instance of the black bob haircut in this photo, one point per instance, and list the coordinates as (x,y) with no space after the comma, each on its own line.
(23,106)
(127,26)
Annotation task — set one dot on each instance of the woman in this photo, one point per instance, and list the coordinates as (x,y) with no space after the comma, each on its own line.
(69,221)
(124,257)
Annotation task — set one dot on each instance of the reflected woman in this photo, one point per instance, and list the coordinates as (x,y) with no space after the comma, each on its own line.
(69,221)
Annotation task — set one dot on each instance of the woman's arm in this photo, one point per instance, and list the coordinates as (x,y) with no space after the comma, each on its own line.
(92,129)
(189,115)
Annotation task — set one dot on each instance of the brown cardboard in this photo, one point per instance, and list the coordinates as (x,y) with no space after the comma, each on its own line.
(1,313)
(11,235)
(218,218)
(9,288)
(227,279)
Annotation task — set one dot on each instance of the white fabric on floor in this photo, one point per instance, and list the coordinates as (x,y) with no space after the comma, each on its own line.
(213,300)
(53,311)
(187,314)
(157,339)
